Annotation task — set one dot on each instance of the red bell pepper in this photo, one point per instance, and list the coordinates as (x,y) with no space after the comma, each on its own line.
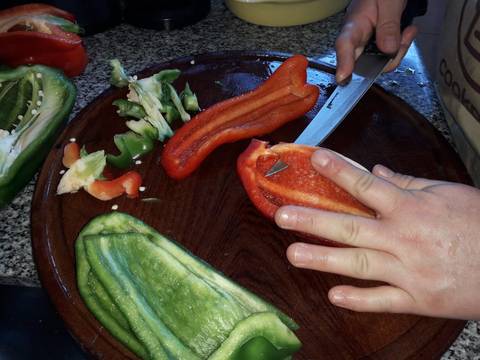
(41,34)
(128,183)
(298,184)
(285,96)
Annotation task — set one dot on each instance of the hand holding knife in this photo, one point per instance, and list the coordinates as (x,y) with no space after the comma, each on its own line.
(368,67)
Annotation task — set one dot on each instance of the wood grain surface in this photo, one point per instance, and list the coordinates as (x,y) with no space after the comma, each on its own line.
(210,214)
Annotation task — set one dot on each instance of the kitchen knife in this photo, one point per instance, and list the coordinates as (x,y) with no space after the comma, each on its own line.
(367,68)
(343,99)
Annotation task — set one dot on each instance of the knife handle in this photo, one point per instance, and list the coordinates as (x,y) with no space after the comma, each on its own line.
(413,9)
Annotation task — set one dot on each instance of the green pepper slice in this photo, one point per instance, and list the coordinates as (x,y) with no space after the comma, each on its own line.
(129,108)
(34,102)
(131,146)
(144,289)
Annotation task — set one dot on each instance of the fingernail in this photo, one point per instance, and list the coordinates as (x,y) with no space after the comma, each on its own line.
(390,44)
(344,80)
(302,255)
(384,171)
(340,77)
(337,298)
(321,158)
(285,218)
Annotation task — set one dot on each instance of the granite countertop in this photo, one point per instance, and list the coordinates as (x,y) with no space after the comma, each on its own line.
(138,48)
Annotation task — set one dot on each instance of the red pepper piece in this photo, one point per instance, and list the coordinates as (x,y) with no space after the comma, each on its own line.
(71,153)
(45,43)
(285,96)
(298,184)
(129,183)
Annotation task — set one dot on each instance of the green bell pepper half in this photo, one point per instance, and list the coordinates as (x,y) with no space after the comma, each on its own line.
(34,102)
(164,303)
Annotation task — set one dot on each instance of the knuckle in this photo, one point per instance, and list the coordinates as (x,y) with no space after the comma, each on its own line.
(312,225)
(321,260)
(406,181)
(385,304)
(351,230)
(361,265)
(389,26)
(363,183)
(343,42)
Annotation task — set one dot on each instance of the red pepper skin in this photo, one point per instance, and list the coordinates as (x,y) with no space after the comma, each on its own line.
(56,48)
(71,153)
(129,183)
(283,97)
(299,184)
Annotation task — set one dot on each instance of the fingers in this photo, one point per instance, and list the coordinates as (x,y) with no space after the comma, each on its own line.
(352,262)
(378,299)
(388,25)
(374,192)
(363,18)
(349,45)
(406,182)
(356,31)
(408,36)
(346,229)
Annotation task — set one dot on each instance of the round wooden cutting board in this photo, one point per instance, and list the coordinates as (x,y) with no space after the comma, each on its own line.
(210,214)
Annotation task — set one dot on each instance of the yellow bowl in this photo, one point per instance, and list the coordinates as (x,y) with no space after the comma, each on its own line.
(284,12)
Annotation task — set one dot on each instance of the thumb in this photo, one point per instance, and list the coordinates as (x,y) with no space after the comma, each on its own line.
(388,25)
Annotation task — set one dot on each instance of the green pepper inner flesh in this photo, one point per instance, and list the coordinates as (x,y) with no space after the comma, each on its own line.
(162,302)
(34,102)
(21,105)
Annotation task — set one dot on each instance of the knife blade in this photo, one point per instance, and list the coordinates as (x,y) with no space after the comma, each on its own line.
(367,68)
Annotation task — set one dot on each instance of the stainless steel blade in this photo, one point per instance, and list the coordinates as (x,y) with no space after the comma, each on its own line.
(344,98)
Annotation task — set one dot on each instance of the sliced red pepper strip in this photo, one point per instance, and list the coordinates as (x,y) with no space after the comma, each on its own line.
(46,44)
(71,153)
(299,184)
(129,183)
(285,96)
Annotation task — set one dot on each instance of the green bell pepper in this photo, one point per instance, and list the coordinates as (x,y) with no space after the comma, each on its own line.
(142,127)
(189,99)
(131,147)
(164,303)
(34,102)
(118,76)
(129,108)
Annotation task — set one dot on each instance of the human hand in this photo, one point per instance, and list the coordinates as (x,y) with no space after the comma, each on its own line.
(424,243)
(362,18)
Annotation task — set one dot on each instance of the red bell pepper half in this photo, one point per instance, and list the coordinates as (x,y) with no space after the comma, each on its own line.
(283,97)
(298,184)
(41,34)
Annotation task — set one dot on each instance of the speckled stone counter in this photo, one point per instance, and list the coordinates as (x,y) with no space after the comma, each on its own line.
(139,48)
